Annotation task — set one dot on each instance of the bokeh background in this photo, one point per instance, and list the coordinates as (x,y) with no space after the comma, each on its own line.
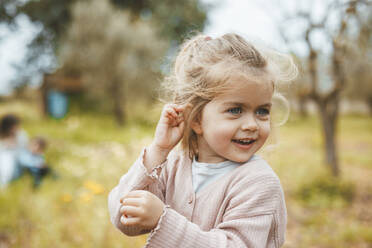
(85,74)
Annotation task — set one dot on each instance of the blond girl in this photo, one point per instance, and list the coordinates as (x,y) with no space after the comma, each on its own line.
(212,190)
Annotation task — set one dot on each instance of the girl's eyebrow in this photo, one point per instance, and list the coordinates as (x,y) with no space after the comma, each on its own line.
(232,103)
(266,105)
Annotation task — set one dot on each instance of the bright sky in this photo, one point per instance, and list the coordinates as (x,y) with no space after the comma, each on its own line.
(245,17)
(12,51)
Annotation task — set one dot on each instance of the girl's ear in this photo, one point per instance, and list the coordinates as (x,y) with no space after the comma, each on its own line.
(196,126)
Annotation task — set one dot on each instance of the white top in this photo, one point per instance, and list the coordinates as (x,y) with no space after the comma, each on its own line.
(8,158)
(205,173)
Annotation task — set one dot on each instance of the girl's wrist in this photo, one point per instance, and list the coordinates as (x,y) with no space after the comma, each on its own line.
(155,156)
(160,151)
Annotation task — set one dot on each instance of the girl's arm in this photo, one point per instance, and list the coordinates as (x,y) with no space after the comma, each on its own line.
(137,178)
(144,173)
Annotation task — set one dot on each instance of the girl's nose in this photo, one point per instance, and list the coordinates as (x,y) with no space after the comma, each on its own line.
(250,124)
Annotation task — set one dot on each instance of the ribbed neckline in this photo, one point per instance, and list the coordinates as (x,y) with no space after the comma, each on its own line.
(216,166)
(219,165)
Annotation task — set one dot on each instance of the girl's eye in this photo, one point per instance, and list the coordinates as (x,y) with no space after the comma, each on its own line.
(262,112)
(235,111)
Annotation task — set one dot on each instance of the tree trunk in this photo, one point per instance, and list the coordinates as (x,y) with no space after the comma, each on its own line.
(369,102)
(44,100)
(302,106)
(328,112)
(118,102)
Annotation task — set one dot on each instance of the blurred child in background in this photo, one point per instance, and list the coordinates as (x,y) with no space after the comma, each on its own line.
(33,160)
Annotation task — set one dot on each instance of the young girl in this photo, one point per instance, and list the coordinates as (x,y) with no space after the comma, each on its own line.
(214,191)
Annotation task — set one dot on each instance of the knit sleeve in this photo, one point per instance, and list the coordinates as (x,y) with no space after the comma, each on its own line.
(137,178)
(247,222)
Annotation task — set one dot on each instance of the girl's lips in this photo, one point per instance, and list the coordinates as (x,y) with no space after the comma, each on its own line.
(244,144)
(244,141)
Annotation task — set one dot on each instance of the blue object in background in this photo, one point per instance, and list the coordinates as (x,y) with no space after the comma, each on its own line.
(57,104)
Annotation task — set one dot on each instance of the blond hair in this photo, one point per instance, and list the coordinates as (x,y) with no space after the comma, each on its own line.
(204,66)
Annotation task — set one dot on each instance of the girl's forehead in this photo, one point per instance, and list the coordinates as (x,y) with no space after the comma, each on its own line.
(243,90)
(243,85)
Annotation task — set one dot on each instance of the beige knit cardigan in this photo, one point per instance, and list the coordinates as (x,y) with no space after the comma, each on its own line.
(244,208)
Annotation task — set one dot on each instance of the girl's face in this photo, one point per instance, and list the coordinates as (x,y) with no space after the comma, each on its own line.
(235,125)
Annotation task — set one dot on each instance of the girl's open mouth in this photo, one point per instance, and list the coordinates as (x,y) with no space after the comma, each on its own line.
(243,142)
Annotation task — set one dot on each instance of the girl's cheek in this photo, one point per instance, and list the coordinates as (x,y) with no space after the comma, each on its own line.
(265,129)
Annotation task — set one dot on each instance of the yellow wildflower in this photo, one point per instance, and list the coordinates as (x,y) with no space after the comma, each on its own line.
(86,197)
(66,198)
(94,187)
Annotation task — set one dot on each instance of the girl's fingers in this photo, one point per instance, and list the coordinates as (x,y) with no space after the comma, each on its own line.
(130,210)
(130,221)
(132,202)
(184,110)
(172,113)
(134,194)
(177,109)
(170,108)
(181,108)
(138,193)
(128,196)
(175,114)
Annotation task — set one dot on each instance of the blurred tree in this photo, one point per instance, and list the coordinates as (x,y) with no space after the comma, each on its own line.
(359,60)
(175,19)
(325,64)
(115,56)
(51,17)
(172,19)
(302,87)
(8,10)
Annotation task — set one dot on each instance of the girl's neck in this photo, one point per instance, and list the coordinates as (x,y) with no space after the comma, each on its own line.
(209,160)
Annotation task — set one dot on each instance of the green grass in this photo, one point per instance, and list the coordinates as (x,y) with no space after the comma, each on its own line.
(90,153)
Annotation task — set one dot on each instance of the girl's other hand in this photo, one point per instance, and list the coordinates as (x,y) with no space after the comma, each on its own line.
(141,208)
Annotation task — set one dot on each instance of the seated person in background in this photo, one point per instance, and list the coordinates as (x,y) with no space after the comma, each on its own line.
(32,159)
(12,140)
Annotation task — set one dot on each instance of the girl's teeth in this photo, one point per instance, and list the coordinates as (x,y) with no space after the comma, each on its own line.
(243,142)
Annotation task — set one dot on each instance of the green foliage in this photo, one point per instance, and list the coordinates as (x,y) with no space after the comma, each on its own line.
(117,64)
(326,191)
(174,19)
(51,17)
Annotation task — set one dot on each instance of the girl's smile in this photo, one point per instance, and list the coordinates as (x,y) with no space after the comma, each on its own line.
(244,143)
(235,125)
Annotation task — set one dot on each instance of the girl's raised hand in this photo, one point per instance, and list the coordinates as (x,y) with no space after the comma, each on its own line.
(168,133)
(170,128)
(141,208)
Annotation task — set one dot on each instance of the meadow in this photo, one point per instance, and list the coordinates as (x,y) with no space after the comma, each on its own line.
(90,153)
